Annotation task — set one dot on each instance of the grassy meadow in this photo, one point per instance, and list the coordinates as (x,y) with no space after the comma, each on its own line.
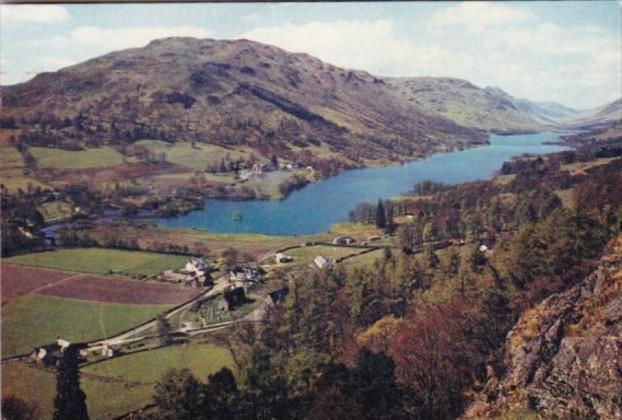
(102,261)
(34,320)
(196,158)
(149,366)
(83,159)
(104,400)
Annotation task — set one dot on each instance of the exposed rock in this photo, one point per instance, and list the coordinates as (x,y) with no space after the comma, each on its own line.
(564,357)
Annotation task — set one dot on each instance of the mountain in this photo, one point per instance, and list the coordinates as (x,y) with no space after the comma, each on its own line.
(236,94)
(487,108)
(563,356)
(598,118)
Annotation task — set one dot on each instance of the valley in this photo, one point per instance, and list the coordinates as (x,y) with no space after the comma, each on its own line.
(225,228)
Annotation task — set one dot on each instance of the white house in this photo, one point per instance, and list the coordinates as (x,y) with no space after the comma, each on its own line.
(196,266)
(322,262)
(282,258)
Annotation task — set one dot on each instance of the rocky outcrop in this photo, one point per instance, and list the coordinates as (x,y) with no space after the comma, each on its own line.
(564,357)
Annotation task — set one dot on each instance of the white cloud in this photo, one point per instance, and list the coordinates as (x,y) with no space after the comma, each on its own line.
(488,44)
(367,45)
(477,16)
(34,14)
(119,38)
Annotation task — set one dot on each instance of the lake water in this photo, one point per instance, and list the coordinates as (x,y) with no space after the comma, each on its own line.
(317,206)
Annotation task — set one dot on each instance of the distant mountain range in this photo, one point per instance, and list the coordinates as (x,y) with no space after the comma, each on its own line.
(246,94)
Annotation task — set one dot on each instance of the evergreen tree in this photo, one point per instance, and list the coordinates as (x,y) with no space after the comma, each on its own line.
(178,396)
(164,330)
(381,220)
(70,401)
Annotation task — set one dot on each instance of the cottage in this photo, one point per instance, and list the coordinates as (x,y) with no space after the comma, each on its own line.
(245,175)
(196,266)
(244,274)
(110,351)
(277,296)
(343,240)
(282,258)
(232,299)
(48,355)
(322,262)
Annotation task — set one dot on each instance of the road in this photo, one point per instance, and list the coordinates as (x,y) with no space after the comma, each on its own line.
(220,284)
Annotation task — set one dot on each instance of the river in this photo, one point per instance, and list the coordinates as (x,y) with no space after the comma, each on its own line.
(317,206)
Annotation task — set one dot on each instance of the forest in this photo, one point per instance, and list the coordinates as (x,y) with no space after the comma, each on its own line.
(417,334)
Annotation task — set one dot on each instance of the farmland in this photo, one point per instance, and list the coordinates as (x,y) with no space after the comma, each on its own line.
(104,399)
(102,261)
(111,290)
(83,159)
(149,366)
(17,280)
(193,157)
(33,320)
(12,170)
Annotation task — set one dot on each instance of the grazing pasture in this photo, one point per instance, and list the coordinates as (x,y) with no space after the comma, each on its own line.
(112,290)
(149,366)
(104,399)
(33,320)
(195,158)
(102,261)
(100,157)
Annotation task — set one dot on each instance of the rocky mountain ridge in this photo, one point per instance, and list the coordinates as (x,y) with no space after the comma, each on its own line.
(563,357)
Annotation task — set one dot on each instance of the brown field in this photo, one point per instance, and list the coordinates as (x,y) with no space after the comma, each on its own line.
(112,290)
(97,176)
(18,280)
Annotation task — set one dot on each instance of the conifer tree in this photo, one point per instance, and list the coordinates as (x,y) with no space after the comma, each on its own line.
(70,401)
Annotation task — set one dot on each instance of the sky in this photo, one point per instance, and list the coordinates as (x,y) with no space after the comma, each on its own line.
(565,52)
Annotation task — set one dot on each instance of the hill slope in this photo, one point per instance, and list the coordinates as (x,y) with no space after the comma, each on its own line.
(489,108)
(229,93)
(599,118)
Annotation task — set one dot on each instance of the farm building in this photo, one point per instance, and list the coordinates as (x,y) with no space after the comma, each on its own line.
(49,354)
(343,240)
(282,258)
(244,274)
(171,276)
(196,266)
(373,238)
(277,296)
(232,299)
(322,262)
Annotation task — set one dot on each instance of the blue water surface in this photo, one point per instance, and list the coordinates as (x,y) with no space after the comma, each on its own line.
(317,206)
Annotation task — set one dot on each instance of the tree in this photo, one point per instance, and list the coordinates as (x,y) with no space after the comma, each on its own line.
(220,394)
(381,221)
(70,401)
(178,396)
(14,408)
(164,330)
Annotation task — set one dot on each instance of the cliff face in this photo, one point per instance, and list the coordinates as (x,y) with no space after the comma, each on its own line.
(564,357)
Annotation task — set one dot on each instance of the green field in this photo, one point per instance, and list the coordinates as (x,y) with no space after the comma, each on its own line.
(55,211)
(305,255)
(34,320)
(198,157)
(149,366)
(104,400)
(102,261)
(268,183)
(101,157)
(10,158)
(12,170)
(365,260)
